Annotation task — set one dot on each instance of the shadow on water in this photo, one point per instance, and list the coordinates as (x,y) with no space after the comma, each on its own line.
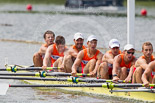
(72,96)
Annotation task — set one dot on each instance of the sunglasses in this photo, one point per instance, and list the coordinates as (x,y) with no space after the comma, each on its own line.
(130,52)
(115,48)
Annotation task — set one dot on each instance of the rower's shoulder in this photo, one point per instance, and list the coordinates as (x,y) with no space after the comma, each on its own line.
(43,48)
(109,54)
(51,46)
(118,58)
(71,49)
(140,59)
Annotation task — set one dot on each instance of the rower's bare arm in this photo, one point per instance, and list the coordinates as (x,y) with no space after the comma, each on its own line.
(131,68)
(47,55)
(130,74)
(104,58)
(116,64)
(142,63)
(147,73)
(110,58)
(129,77)
(77,61)
(98,62)
(64,58)
(73,53)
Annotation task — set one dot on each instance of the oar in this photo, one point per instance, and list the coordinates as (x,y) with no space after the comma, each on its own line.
(43,74)
(14,69)
(72,79)
(104,85)
(134,90)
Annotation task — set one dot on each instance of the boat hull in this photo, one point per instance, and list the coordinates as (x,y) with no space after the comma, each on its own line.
(139,96)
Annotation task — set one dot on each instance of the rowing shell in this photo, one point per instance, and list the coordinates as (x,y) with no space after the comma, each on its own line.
(144,96)
(135,95)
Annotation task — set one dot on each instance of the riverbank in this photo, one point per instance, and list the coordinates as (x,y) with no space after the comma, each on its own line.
(57,2)
(62,2)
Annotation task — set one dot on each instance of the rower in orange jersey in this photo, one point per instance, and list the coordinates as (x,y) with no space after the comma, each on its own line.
(55,53)
(72,53)
(123,64)
(89,58)
(49,37)
(143,61)
(149,74)
(105,69)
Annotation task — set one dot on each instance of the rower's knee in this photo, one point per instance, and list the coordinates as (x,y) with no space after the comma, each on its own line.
(68,63)
(139,70)
(90,66)
(60,59)
(124,70)
(101,65)
(36,56)
(37,60)
(104,66)
(92,62)
(68,59)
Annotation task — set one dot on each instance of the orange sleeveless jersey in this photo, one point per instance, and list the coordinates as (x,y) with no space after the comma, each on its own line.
(55,54)
(86,58)
(123,63)
(152,57)
(74,47)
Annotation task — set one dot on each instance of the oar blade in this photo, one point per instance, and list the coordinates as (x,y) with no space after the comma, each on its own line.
(3,88)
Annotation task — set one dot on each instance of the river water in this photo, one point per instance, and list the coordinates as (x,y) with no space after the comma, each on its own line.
(31,26)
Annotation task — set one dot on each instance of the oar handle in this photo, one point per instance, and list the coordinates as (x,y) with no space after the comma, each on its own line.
(151,85)
(14,69)
(80,74)
(51,68)
(123,81)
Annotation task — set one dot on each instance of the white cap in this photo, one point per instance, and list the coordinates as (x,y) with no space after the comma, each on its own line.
(91,37)
(128,47)
(78,35)
(114,43)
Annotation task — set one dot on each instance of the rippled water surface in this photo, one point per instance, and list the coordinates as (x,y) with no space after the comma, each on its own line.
(31,26)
